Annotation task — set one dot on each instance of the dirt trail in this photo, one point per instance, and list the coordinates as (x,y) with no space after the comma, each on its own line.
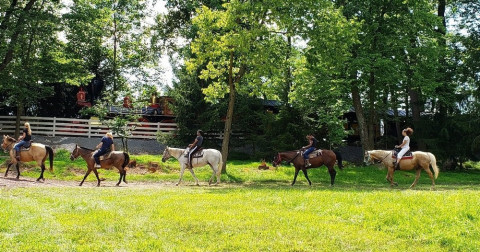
(24,182)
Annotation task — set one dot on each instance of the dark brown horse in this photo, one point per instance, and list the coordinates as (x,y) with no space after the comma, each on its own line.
(37,152)
(327,158)
(117,159)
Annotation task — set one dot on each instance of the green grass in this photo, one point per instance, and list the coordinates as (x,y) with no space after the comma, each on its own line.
(252,210)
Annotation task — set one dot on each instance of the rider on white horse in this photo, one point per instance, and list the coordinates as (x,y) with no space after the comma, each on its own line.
(194,147)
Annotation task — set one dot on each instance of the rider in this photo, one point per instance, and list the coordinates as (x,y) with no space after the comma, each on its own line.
(105,145)
(194,147)
(312,144)
(23,139)
(405,146)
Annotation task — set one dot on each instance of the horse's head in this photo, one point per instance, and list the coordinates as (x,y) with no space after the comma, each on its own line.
(7,140)
(75,153)
(166,155)
(277,160)
(367,158)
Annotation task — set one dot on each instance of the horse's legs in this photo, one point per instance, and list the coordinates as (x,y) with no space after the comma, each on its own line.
(306,176)
(430,174)
(8,168)
(41,174)
(96,174)
(193,174)
(296,174)
(333,173)
(124,175)
(182,169)
(86,175)
(18,170)
(417,175)
(121,171)
(390,176)
(213,175)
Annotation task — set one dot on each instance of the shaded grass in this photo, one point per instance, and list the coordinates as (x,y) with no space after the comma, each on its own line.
(252,210)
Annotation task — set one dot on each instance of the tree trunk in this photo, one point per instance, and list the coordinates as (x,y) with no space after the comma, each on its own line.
(362,125)
(229,119)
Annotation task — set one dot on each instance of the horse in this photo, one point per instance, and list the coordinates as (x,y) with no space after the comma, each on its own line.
(211,157)
(37,152)
(118,159)
(327,158)
(421,160)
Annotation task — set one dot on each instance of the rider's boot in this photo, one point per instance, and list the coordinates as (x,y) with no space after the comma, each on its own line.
(307,163)
(397,166)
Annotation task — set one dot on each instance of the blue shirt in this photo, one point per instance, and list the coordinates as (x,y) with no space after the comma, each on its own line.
(106,143)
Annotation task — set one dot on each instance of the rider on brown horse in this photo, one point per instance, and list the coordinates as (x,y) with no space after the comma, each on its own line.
(312,145)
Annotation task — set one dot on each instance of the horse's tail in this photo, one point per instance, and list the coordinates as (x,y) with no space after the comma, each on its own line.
(50,156)
(339,159)
(433,163)
(127,159)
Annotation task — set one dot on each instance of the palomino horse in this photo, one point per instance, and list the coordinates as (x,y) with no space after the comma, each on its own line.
(421,160)
(117,159)
(327,158)
(37,152)
(211,157)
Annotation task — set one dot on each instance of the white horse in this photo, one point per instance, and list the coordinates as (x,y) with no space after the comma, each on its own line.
(211,157)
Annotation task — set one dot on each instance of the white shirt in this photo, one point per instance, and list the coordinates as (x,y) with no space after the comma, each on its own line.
(406,139)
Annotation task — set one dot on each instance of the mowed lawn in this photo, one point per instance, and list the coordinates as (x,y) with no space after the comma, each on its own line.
(252,210)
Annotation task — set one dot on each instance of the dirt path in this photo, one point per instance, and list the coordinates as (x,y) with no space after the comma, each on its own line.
(24,182)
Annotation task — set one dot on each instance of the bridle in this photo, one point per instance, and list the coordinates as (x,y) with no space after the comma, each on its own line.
(279,158)
(379,161)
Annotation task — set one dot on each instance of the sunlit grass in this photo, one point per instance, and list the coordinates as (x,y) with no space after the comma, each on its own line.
(252,210)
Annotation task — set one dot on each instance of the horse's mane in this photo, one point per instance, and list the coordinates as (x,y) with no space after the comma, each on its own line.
(11,139)
(86,148)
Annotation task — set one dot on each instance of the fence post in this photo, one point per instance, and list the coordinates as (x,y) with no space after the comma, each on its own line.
(54,125)
(89,127)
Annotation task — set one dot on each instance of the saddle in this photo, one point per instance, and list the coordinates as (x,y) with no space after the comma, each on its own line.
(197,154)
(106,155)
(26,146)
(408,154)
(315,153)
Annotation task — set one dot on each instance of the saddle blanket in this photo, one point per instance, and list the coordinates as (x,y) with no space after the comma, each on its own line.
(197,154)
(105,156)
(408,154)
(314,153)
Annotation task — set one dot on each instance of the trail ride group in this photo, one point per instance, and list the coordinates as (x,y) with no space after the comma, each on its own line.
(301,160)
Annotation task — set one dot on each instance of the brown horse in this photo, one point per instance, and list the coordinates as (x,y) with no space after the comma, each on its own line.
(116,159)
(421,160)
(37,152)
(327,158)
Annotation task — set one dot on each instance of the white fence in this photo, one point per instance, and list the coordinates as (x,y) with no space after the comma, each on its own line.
(52,126)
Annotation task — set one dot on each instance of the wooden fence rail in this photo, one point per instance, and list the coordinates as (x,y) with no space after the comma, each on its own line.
(53,126)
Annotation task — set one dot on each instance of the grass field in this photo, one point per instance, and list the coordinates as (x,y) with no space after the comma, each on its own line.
(251,210)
